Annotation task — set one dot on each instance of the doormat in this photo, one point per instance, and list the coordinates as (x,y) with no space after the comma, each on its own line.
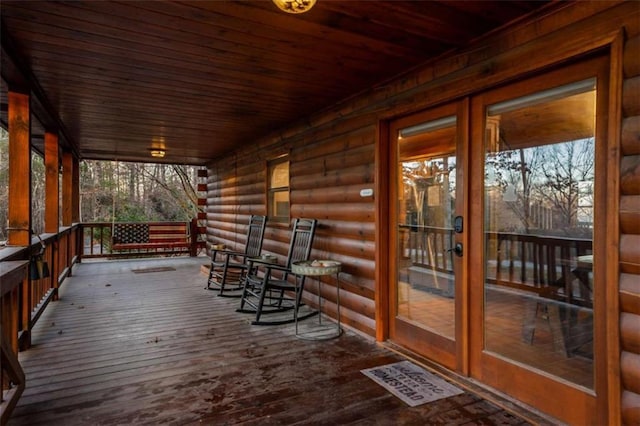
(410,383)
(155,269)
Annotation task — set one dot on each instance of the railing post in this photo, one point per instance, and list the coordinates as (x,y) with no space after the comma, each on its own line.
(26,296)
(55,270)
(69,247)
(79,242)
(193,249)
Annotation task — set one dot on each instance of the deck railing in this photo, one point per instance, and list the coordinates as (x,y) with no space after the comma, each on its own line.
(13,278)
(59,252)
(26,292)
(27,289)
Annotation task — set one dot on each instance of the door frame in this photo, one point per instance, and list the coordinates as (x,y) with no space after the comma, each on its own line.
(508,65)
(451,354)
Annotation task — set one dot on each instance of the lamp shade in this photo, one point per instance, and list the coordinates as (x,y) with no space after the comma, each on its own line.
(295,6)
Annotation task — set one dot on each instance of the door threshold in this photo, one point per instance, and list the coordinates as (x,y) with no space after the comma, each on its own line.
(500,399)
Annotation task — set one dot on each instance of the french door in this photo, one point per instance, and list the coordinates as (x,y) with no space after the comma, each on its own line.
(537,291)
(496,251)
(428,233)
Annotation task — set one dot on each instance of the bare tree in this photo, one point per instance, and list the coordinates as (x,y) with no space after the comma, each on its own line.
(516,173)
(137,191)
(558,176)
(572,163)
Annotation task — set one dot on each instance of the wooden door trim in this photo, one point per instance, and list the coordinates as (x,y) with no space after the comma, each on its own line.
(429,345)
(381,194)
(462,206)
(614,127)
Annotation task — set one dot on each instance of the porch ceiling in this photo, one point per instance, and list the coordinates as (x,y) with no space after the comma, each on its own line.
(202,78)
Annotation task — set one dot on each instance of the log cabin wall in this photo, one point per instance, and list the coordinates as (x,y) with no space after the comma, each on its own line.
(630,235)
(327,173)
(333,157)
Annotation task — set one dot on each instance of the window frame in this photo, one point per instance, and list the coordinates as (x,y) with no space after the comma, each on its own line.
(272,191)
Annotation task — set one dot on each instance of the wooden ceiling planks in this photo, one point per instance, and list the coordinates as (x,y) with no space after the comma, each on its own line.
(429,22)
(208,76)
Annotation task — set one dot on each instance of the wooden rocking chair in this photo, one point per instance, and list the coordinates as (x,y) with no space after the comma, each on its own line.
(270,288)
(228,268)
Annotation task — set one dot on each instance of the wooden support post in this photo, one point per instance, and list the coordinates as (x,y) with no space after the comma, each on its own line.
(75,192)
(19,233)
(52,193)
(67,189)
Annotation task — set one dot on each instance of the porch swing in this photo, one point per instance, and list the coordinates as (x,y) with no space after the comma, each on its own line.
(151,238)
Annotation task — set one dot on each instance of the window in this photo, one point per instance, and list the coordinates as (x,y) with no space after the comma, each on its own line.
(278,186)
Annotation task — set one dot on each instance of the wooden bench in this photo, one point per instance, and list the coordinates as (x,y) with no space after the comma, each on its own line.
(152,237)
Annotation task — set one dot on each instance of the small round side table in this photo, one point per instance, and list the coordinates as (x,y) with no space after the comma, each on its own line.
(318,269)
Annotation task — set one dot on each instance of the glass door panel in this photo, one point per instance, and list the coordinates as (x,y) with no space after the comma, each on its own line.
(539,181)
(426,282)
(426,202)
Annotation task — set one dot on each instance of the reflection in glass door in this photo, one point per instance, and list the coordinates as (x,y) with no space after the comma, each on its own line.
(424,290)
(426,284)
(538,224)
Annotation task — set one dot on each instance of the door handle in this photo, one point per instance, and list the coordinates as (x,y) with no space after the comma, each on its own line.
(457,249)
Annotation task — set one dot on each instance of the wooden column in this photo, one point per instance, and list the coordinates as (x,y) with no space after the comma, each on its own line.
(52,193)
(75,192)
(19,170)
(67,189)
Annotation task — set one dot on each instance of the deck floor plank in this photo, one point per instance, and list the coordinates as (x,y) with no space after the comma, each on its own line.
(122,348)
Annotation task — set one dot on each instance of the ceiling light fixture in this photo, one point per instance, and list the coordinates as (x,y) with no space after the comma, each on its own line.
(157,153)
(295,6)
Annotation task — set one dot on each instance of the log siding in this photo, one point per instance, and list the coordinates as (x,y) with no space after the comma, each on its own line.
(630,235)
(333,156)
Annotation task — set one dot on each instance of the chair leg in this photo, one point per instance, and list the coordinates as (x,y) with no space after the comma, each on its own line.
(208,287)
(243,296)
(299,295)
(280,299)
(261,300)
(224,277)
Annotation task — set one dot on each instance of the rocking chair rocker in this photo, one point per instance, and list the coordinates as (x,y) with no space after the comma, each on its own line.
(268,288)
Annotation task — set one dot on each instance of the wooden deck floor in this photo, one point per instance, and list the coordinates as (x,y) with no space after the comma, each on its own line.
(123,348)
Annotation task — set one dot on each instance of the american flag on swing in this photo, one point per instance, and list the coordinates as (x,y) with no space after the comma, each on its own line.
(151,235)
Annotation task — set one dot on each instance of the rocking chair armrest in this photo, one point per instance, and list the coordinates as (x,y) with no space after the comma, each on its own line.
(254,263)
(233,253)
(227,253)
(269,267)
(259,261)
(278,267)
